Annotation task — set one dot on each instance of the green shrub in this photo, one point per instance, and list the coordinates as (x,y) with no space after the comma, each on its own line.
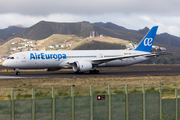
(62,93)
(152,89)
(39,93)
(97,92)
(119,92)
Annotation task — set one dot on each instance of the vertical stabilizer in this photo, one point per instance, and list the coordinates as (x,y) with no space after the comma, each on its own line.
(147,42)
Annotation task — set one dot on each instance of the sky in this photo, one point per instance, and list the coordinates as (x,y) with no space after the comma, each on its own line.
(131,14)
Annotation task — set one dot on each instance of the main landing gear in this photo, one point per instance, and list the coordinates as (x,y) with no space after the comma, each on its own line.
(17,72)
(94,71)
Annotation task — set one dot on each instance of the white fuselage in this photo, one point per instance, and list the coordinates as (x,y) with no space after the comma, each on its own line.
(60,59)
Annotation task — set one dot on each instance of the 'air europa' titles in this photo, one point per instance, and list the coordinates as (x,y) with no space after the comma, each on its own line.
(36,56)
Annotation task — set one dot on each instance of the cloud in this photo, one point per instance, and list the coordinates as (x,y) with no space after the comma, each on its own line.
(134,14)
(133,21)
(91,7)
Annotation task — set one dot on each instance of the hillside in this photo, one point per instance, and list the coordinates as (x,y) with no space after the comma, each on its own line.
(63,42)
(7,33)
(100,43)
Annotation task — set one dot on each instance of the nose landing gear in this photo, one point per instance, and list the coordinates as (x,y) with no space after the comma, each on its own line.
(17,72)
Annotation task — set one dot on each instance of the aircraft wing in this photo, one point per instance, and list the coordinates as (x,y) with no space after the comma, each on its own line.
(102,60)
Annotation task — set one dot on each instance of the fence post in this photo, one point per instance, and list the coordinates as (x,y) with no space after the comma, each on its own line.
(176,96)
(91,102)
(160,101)
(109,102)
(33,104)
(72,102)
(144,99)
(12,104)
(53,103)
(127,111)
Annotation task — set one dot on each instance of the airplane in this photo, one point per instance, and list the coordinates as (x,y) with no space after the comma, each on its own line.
(83,60)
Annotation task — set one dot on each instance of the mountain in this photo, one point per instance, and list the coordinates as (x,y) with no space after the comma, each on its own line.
(10,32)
(113,26)
(143,31)
(164,40)
(44,29)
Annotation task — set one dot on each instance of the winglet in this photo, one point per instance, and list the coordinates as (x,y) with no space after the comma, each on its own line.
(146,43)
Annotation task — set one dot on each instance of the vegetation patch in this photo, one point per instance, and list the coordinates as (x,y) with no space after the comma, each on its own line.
(43,86)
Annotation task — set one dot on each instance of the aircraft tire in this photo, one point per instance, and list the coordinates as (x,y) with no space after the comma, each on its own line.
(79,72)
(18,73)
(97,71)
(94,71)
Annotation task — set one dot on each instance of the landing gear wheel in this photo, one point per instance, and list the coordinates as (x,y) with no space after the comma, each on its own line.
(97,71)
(94,71)
(18,73)
(79,72)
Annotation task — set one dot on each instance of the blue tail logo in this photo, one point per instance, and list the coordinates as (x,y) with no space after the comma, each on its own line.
(146,43)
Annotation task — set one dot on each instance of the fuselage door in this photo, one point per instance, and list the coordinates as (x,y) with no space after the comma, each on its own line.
(23,58)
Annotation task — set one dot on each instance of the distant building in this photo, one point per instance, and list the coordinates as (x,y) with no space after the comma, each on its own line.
(19,48)
(31,48)
(69,45)
(20,40)
(14,43)
(131,46)
(26,45)
(163,49)
(51,46)
(14,48)
(58,46)
(30,42)
(62,46)
(155,47)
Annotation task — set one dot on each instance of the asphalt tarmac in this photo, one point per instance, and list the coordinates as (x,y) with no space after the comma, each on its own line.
(135,70)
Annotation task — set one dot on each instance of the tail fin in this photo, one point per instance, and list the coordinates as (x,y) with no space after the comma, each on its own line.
(147,42)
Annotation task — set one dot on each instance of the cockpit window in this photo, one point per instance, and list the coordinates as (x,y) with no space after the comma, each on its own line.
(10,58)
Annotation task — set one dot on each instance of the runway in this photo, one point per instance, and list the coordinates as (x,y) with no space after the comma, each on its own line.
(135,70)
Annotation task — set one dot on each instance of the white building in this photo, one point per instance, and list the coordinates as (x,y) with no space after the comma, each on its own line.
(163,49)
(14,43)
(62,46)
(51,46)
(14,48)
(30,42)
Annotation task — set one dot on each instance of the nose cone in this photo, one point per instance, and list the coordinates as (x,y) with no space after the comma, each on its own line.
(5,63)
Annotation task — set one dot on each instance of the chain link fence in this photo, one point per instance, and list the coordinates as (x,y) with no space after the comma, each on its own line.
(70,105)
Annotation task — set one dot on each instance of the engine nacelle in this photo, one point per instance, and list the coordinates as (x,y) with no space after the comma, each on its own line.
(81,66)
(52,69)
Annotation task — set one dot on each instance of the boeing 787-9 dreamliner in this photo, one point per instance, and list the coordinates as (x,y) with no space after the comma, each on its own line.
(83,60)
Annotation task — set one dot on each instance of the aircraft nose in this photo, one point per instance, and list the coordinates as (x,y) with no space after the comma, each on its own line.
(5,63)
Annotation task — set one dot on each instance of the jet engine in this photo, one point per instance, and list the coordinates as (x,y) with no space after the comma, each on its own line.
(81,66)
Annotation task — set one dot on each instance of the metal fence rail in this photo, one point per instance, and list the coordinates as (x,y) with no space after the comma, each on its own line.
(128,106)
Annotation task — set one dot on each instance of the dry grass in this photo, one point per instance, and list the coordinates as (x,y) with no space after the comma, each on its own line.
(63,85)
